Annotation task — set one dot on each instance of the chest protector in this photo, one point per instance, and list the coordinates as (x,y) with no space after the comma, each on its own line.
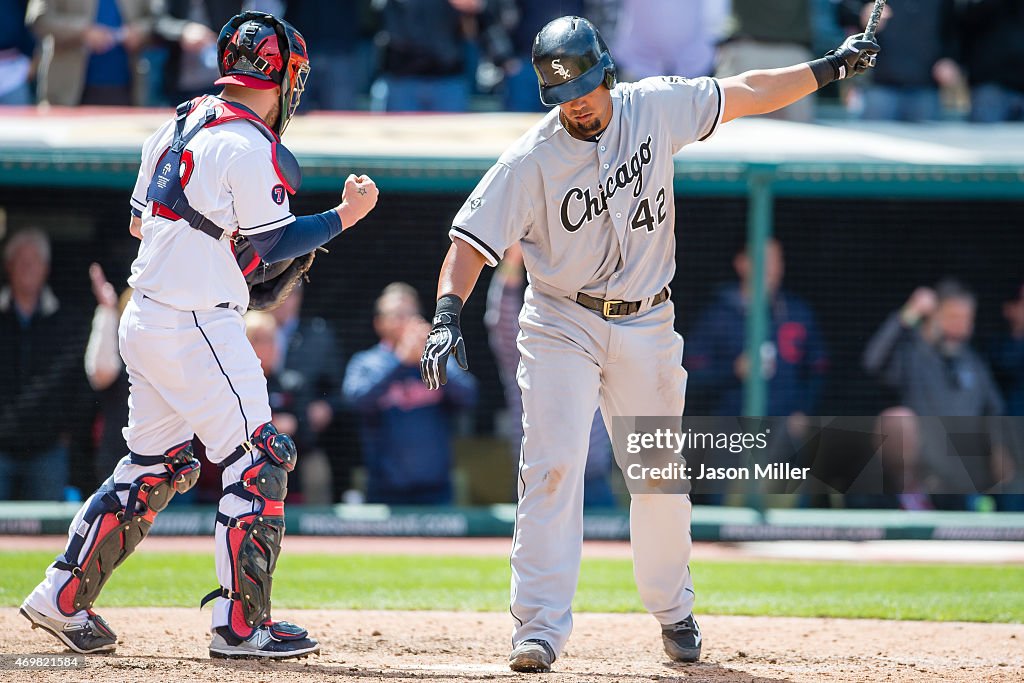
(174,169)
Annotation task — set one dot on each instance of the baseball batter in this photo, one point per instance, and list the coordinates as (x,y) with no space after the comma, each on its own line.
(588,194)
(213,185)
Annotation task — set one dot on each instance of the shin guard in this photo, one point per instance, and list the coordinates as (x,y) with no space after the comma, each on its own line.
(110,531)
(254,538)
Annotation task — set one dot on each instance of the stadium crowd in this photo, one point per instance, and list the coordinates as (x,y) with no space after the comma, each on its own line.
(393,442)
(65,379)
(945,59)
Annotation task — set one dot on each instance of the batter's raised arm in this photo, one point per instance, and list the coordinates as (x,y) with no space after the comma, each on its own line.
(459,273)
(764,91)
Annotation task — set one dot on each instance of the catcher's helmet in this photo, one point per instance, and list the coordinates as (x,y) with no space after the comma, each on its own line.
(258,50)
(571,60)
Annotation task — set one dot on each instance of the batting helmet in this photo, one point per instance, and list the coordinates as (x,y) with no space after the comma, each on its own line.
(258,50)
(571,60)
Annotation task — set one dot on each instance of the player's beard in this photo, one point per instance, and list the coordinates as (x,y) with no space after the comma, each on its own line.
(590,128)
(274,114)
(584,130)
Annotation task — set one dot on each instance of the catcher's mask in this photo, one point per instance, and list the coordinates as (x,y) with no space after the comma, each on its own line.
(258,50)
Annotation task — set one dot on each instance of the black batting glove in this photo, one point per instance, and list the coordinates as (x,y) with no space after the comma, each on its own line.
(445,339)
(856,55)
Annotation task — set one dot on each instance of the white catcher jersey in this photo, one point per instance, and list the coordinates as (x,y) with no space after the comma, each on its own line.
(595,217)
(230,178)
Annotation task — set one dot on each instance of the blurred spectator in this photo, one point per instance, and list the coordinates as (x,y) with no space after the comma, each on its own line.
(602,13)
(898,453)
(504,301)
(793,360)
(923,352)
(1008,364)
(275,7)
(766,35)
(285,391)
(525,18)
(309,370)
(90,50)
(422,46)
(37,367)
(106,372)
(919,40)
(189,29)
(407,429)
(17,45)
(261,331)
(1008,353)
(992,37)
(334,31)
(667,37)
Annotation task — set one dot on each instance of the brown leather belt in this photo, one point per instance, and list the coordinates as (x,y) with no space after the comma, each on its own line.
(614,308)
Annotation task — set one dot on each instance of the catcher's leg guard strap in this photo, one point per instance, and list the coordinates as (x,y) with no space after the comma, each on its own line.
(254,538)
(270,443)
(112,530)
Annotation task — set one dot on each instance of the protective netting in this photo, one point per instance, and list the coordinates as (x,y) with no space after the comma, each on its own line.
(852,260)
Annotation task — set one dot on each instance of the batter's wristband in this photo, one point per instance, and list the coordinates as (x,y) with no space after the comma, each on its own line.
(450,304)
(825,70)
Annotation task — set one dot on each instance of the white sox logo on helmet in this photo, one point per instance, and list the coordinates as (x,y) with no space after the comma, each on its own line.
(559,69)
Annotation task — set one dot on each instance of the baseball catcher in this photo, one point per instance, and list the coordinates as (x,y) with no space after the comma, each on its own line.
(210,207)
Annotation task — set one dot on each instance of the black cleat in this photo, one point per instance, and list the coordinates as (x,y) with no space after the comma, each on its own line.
(531,656)
(266,642)
(682,640)
(92,636)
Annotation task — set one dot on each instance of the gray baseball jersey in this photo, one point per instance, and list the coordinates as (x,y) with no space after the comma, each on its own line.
(595,217)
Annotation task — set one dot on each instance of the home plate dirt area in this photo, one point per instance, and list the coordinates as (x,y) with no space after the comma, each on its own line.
(171,645)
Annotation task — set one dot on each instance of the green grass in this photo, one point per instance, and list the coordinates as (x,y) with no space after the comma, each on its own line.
(832,589)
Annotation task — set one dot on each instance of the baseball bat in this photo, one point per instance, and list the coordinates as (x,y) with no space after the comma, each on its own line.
(876,16)
(873,19)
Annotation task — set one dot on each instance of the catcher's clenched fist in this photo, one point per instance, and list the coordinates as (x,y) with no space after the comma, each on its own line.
(357,199)
(271,283)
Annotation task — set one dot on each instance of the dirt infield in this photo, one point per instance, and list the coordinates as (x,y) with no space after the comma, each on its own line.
(439,647)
